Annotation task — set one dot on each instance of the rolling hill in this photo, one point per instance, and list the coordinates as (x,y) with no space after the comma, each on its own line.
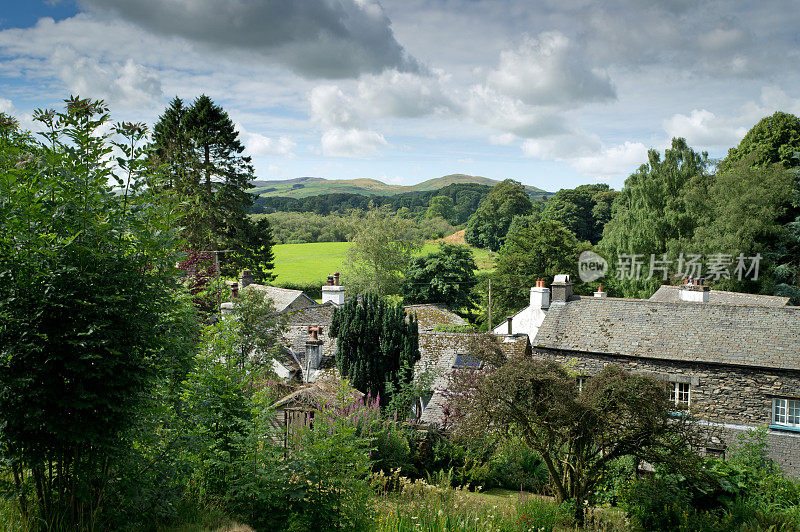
(303,187)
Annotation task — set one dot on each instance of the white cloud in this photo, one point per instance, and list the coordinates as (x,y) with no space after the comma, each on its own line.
(403,94)
(332,108)
(260,145)
(562,147)
(127,84)
(352,143)
(550,70)
(486,106)
(704,129)
(7,107)
(503,139)
(615,161)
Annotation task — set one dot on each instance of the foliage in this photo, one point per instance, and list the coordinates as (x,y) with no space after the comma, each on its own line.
(381,252)
(199,151)
(441,207)
(577,435)
(89,309)
(583,210)
(773,140)
(487,228)
(541,249)
(377,344)
(657,212)
(445,276)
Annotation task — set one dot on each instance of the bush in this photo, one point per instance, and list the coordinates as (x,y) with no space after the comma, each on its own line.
(518,467)
(656,503)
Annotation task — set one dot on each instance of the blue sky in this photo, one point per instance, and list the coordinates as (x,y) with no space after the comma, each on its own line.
(553,93)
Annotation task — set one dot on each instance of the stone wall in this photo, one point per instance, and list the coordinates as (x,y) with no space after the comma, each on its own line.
(735,398)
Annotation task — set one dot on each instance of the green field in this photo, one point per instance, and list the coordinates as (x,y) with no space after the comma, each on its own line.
(309,263)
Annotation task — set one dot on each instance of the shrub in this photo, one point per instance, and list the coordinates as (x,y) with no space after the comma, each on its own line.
(656,503)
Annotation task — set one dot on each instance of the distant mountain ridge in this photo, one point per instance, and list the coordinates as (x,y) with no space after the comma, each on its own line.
(303,187)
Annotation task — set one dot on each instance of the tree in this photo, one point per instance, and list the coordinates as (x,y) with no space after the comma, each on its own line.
(201,153)
(584,210)
(577,434)
(380,253)
(488,226)
(445,276)
(773,140)
(377,344)
(534,250)
(657,212)
(441,206)
(91,319)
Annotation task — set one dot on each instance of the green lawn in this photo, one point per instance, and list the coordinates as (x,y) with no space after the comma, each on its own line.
(309,263)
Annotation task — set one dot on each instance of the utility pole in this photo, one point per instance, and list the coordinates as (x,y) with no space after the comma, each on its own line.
(490,305)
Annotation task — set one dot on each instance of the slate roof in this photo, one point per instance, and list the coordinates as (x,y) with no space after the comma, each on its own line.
(282,297)
(430,315)
(295,331)
(744,335)
(668,293)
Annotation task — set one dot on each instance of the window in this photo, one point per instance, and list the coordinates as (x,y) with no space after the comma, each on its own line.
(680,394)
(467,361)
(786,412)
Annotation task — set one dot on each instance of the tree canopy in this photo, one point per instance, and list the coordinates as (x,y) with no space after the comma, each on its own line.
(577,433)
(487,228)
(445,276)
(584,210)
(532,250)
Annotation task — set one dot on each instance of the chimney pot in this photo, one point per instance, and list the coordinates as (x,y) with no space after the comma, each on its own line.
(330,280)
(508,321)
(234,290)
(246,278)
(336,279)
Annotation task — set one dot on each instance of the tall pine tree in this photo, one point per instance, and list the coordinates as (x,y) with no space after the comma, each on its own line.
(199,149)
(377,344)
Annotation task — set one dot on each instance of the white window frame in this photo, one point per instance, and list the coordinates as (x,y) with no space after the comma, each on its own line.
(676,392)
(581,382)
(786,412)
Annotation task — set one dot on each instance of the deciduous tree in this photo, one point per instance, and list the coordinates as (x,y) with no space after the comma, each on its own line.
(487,228)
(445,276)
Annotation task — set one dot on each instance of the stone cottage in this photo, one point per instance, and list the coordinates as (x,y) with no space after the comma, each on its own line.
(732,359)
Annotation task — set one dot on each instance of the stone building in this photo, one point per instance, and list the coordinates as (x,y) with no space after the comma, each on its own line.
(732,359)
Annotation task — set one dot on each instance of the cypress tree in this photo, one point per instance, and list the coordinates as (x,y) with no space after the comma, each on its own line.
(377,344)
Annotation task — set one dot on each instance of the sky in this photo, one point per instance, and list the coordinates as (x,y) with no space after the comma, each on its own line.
(552,93)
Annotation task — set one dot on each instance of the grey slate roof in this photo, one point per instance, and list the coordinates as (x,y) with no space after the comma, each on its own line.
(282,297)
(430,315)
(692,332)
(668,293)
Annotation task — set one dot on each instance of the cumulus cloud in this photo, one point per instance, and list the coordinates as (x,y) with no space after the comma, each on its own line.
(315,38)
(488,107)
(128,84)
(550,69)
(705,129)
(612,161)
(352,143)
(7,107)
(258,144)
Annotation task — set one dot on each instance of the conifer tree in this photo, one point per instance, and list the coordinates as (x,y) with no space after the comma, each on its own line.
(378,344)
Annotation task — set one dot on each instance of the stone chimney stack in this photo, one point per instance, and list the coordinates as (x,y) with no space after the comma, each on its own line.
(600,292)
(333,291)
(694,291)
(540,295)
(246,278)
(313,351)
(562,288)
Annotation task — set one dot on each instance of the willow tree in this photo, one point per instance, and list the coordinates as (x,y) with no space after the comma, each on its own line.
(377,345)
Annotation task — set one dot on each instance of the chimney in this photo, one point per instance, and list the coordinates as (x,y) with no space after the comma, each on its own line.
(694,292)
(540,295)
(313,351)
(333,291)
(246,278)
(600,292)
(508,321)
(562,288)
(234,290)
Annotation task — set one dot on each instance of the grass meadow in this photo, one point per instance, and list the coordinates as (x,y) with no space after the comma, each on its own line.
(308,263)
